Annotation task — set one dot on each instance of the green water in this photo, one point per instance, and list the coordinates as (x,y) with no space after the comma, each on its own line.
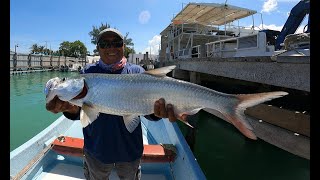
(28,115)
(224,153)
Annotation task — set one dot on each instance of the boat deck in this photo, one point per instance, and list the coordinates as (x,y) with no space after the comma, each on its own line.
(66,169)
(52,164)
(56,153)
(63,171)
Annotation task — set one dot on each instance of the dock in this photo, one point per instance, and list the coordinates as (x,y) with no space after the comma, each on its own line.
(293,73)
(285,127)
(29,71)
(237,60)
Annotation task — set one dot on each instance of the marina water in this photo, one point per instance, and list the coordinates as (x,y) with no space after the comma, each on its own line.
(28,115)
(222,152)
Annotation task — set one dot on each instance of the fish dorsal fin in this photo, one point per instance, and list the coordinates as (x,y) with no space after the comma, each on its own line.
(160,71)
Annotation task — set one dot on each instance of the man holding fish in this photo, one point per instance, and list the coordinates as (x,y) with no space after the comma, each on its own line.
(111,106)
(107,142)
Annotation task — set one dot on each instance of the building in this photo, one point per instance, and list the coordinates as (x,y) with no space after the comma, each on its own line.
(143,58)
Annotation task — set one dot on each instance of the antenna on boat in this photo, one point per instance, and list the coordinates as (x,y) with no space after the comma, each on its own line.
(261,20)
(225,24)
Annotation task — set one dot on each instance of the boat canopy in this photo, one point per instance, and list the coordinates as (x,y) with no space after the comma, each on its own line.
(211,14)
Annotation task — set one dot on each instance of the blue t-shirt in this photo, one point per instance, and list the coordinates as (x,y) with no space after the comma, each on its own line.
(107,138)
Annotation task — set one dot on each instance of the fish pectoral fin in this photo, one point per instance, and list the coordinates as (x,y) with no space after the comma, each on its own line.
(161,72)
(131,122)
(88,114)
(188,112)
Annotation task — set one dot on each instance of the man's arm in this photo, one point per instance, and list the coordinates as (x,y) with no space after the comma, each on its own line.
(72,116)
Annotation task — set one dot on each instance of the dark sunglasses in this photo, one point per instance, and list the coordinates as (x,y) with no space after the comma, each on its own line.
(112,44)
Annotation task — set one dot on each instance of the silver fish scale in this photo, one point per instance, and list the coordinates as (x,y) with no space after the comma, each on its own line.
(136,94)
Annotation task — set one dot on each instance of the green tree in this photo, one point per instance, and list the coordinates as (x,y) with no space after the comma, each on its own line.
(56,53)
(129,45)
(65,48)
(95,31)
(78,49)
(73,49)
(36,49)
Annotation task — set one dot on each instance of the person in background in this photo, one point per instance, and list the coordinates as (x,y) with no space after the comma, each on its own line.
(108,144)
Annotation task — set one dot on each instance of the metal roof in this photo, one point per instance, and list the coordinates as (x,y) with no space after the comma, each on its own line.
(211,14)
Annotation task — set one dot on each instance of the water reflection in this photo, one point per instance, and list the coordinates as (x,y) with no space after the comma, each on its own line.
(28,115)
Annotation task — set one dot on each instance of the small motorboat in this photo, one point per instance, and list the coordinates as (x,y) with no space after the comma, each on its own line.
(56,153)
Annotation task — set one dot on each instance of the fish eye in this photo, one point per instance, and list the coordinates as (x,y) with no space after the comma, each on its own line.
(63,79)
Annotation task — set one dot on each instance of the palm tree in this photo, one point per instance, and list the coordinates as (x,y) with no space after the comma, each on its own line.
(34,49)
(95,31)
(94,34)
(127,41)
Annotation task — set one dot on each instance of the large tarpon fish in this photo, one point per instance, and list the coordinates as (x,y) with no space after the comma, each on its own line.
(132,95)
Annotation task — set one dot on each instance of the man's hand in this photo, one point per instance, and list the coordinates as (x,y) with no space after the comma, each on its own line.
(56,106)
(166,111)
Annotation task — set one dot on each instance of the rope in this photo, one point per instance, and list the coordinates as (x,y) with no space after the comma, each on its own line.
(294,42)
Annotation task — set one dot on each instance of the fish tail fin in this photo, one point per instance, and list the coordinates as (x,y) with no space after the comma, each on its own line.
(236,114)
(248,100)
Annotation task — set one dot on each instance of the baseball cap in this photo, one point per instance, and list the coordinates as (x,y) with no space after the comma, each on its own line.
(109,31)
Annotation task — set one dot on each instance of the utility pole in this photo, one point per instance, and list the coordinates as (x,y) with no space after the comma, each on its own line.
(150,52)
(15,48)
(46,45)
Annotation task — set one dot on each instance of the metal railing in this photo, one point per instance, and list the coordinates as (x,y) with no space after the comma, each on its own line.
(250,45)
(193,52)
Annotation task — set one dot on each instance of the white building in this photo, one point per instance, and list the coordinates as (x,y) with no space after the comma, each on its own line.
(133,58)
(142,58)
(92,59)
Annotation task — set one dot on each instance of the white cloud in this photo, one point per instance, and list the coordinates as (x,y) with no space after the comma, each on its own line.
(269,6)
(279,28)
(154,45)
(271,26)
(288,1)
(144,17)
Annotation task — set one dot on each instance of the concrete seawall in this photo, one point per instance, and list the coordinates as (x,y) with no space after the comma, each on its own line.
(26,62)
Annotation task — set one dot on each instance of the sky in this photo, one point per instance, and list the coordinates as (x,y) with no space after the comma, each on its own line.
(49,23)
